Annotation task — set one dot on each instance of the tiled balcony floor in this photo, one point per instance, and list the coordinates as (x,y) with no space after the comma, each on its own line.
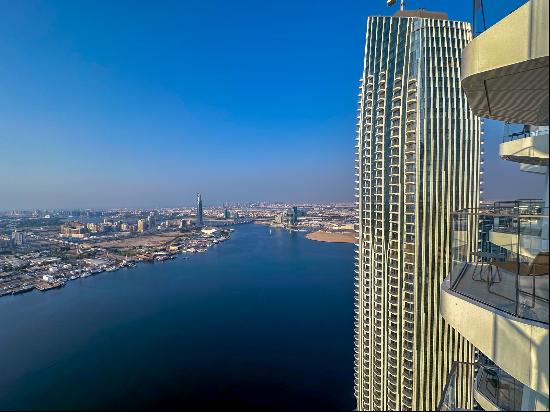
(502,294)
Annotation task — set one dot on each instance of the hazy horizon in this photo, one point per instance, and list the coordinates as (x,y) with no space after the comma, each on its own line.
(145,105)
(206,205)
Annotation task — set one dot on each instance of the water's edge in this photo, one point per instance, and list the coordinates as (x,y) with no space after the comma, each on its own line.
(264,320)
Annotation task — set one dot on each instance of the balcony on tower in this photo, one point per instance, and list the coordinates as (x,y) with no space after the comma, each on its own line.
(487,388)
(528,147)
(497,293)
(505,67)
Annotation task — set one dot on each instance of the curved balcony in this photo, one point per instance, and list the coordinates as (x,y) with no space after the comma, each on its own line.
(490,387)
(520,227)
(497,293)
(496,390)
(510,268)
(411,95)
(526,147)
(505,69)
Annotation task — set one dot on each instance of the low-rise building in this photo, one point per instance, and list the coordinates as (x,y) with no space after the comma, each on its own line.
(93,227)
(73,229)
(18,238)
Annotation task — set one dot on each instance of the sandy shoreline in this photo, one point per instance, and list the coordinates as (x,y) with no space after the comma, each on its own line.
(147,240)
(332,237)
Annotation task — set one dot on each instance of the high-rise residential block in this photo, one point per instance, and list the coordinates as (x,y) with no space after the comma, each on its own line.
(418,160)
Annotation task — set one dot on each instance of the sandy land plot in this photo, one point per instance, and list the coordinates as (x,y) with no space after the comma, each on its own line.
(146,240)
(333,237)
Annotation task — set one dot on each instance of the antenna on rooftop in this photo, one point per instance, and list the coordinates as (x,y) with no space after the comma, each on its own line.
(392,2)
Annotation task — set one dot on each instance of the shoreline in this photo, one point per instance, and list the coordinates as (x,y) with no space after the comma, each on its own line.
(331,237)
(45,286)
(116,262)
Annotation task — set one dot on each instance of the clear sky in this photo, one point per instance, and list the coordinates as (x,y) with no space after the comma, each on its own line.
(142,104)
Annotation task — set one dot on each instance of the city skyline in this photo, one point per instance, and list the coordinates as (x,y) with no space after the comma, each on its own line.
(95,107)
(190,207)
(274,205)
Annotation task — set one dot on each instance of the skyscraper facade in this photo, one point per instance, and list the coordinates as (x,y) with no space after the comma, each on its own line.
(200,219)
(294,215)
(418,160)
(151,221)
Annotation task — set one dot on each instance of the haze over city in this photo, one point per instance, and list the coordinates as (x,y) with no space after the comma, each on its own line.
(145,105)
(281,205)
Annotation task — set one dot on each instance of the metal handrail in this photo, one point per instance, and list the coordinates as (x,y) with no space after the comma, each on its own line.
(525,259)
(519,207)
(523,134)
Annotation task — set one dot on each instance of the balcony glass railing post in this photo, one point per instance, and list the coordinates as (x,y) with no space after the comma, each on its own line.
(500,257)
(499,388)
(467,383)
(517,266)
(511,136)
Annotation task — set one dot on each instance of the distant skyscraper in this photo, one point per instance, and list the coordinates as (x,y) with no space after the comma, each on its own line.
(418,160)
(141,225)
(294,215)
(200,219)
(151,221)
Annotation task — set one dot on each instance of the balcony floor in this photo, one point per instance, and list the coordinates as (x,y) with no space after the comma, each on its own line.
(502,294)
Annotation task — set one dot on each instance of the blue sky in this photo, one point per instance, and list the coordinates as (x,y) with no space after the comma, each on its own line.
(142,104)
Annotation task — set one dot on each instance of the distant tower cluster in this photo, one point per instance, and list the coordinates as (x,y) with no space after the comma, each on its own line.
(200,218)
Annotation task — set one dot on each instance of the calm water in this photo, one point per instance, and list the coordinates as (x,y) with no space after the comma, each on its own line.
(261,321)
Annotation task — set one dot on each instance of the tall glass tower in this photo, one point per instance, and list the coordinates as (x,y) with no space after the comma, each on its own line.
(418,160)
(200,219)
